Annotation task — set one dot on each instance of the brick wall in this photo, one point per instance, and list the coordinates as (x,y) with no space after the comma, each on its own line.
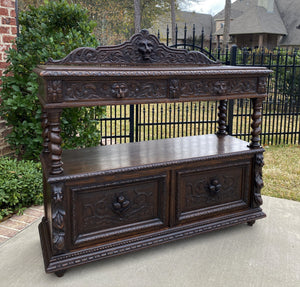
(8,31)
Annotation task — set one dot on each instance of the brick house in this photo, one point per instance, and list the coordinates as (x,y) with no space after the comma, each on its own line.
(8,32)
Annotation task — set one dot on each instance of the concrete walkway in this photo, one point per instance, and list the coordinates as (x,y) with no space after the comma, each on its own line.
(267,254)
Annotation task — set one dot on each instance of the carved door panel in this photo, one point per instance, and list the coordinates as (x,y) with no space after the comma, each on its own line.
(212,191)
(114,210)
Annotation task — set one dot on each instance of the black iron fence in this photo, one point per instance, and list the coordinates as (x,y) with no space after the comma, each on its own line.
(281,110)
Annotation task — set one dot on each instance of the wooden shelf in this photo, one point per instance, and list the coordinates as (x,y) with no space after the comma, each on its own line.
(156,152)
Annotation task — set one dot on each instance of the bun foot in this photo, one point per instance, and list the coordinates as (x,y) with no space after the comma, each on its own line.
(60,273)
(250,223)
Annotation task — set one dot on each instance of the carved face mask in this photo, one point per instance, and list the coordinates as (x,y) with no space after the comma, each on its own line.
(220,88)
(119,90)
(145,47)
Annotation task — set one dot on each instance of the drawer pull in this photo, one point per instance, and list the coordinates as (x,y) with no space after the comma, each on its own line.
(214,187)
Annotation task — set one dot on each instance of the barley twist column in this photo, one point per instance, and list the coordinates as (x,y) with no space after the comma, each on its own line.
(222,118)
(45,132)
(55,141)
(256,122)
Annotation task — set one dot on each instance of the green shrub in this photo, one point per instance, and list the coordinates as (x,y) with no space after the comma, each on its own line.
(21,185)
(52,30)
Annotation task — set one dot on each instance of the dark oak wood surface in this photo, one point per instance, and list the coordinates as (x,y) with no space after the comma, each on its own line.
(149,153)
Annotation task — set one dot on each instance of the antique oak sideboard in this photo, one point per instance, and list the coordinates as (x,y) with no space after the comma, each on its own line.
(110,200)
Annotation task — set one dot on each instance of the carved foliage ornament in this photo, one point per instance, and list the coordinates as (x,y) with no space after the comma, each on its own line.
(155,89)
(141,48)
(58,215)
(258,181)
(55,90)
(131,89)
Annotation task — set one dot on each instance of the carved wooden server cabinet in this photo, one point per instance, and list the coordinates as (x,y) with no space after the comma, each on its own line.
(109,200)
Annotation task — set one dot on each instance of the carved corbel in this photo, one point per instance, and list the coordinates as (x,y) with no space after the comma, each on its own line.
(258,180)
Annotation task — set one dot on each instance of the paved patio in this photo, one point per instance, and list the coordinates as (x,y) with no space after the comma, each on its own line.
(267,254)
(17,223)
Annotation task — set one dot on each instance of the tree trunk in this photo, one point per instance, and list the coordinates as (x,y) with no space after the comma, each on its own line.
(173,19)
(226,23)
(137,16)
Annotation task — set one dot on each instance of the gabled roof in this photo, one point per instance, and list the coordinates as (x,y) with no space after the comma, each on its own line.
(254,20)
(200,20)
(290,14)
(182,18)
(237,9)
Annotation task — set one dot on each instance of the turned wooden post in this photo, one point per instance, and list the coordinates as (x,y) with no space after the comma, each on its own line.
(55,141)
(256,122)
(222,118)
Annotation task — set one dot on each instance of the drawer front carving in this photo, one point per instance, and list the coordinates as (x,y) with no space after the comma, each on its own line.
(117,209)
(211,191)
(133,89)
(144,89)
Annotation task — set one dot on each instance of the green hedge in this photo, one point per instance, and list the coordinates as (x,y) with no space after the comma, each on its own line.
(51,30)
(21,185)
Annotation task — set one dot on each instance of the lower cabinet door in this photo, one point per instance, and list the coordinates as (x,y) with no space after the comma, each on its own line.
(114,210)
(206,192)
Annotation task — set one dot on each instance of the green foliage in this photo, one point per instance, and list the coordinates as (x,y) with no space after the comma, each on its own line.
(52,30)
(21,185)
(115,18)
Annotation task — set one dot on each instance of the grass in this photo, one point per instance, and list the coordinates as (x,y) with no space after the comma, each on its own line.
(281,172)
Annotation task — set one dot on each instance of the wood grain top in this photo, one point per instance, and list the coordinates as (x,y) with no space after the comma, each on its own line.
(143,154)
